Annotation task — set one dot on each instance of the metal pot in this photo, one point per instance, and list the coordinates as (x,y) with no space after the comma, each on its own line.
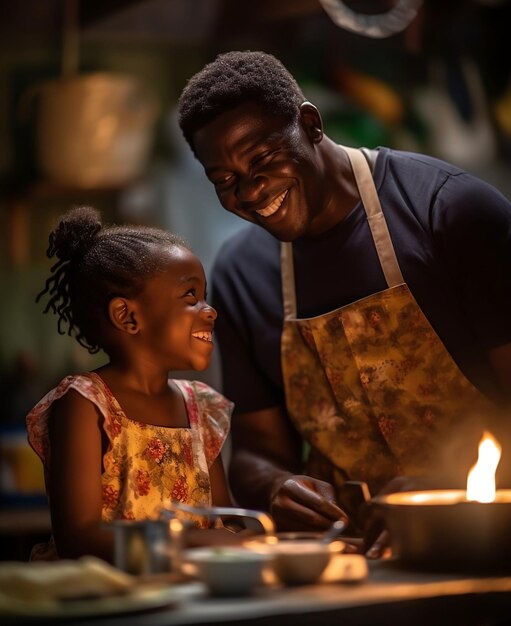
(441,530)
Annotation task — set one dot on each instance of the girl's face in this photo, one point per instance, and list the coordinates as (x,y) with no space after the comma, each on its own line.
(176,322)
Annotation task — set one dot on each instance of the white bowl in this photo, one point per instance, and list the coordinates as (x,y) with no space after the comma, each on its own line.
(300,561)
(228,570)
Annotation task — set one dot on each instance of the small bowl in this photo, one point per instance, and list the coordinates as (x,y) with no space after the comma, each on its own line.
(228,571)
(298,561)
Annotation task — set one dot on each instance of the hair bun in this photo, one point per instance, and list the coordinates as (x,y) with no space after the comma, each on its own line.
(75,233)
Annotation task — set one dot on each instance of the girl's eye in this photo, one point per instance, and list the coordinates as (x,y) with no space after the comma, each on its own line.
(192,293)
(223,181)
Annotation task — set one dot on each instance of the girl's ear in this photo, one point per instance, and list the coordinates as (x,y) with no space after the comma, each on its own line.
(123,315)
(311,121)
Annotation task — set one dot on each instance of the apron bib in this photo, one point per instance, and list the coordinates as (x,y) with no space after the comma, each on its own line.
(370,386)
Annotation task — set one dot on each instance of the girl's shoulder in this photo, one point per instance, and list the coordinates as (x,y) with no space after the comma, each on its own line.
(88,385)
(210,412)
(206,397)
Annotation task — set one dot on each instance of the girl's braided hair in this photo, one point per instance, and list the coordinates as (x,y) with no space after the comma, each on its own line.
(95,264)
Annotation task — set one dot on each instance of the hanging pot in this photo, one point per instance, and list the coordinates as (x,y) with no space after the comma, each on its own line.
(94,130)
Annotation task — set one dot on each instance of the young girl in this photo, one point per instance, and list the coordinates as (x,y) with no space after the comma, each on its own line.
(118,441)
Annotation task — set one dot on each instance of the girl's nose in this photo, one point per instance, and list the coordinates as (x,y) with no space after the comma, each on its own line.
(209,312)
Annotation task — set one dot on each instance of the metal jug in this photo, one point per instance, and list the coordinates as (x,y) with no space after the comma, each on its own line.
(147,546)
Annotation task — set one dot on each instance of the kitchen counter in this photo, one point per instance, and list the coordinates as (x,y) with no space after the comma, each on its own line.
(390,595)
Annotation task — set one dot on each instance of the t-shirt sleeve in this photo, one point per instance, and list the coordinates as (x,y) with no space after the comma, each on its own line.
(246,330)
(37,419)
(242,379)
(471,222)
(215,412)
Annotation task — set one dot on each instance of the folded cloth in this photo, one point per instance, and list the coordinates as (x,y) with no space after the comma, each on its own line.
(61,580)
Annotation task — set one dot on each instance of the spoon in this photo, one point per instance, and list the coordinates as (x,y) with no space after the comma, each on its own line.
(335,529)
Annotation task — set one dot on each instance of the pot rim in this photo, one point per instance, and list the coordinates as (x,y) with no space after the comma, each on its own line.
(437,497)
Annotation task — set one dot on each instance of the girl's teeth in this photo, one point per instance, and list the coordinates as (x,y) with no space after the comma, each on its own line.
(205,336)
(274,206)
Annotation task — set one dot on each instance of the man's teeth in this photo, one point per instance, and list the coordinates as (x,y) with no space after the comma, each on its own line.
(273,206)
(204,335)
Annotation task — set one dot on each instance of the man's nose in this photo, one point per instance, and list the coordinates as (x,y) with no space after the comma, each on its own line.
(250,188)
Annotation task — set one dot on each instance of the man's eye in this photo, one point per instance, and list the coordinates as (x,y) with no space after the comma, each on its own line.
(264,158)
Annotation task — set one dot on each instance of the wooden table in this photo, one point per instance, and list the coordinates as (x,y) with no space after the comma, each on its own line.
(25,521)
(20,528)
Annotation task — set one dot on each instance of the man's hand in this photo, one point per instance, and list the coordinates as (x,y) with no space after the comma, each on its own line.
(303,503)
(265,473)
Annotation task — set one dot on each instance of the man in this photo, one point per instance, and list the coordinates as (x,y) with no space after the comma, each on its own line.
(365,310)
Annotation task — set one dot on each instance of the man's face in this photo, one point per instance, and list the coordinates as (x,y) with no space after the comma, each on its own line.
(264,170)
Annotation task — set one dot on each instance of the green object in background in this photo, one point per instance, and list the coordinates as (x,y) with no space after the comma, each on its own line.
(356,129)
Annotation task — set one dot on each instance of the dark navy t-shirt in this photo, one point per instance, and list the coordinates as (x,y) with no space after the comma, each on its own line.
(452,237)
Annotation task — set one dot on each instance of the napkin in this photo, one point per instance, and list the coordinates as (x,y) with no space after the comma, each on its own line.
(61,580)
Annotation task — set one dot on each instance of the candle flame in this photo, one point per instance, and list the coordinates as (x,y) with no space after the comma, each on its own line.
(481,478)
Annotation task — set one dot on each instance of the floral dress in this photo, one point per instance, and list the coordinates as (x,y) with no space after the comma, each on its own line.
(145,465)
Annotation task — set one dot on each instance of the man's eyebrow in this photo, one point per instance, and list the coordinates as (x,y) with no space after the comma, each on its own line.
(251,147)
(257,142)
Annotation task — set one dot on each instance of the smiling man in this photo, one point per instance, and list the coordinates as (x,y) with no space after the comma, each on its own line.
(365,310)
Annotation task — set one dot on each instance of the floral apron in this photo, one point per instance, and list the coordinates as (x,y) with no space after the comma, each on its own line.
(370,386)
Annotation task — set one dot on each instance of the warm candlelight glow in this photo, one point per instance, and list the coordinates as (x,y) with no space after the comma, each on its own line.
(481,478)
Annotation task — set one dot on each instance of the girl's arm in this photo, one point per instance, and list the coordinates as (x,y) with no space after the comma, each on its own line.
(74,478)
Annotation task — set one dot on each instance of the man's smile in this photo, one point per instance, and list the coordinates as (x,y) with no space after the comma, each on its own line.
(274,205)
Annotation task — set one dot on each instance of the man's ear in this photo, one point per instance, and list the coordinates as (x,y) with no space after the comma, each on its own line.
(123,315)
(311,121)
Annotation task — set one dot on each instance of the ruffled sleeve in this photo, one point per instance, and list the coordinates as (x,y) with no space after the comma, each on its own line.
(214,418)
(37,419)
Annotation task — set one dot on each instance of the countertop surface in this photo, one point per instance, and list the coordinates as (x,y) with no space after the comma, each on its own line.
(389,595)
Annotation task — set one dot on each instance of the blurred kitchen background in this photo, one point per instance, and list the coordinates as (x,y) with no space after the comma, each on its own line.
(88,95)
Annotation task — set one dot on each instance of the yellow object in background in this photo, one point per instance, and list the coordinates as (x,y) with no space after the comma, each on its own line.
(502,110)
(21,470)
(371,94)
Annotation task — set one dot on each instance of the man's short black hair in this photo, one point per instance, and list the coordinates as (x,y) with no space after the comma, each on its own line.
(233,78)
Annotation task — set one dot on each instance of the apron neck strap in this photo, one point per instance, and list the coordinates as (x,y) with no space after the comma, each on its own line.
(375,217)
(287,271)
(377,225)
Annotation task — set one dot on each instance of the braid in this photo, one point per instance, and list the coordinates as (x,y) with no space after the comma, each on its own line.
(96,263)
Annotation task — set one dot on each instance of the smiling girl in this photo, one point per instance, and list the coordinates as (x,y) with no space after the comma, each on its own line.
(119,441)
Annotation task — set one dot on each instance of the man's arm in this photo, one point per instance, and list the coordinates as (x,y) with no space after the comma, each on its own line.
(265,473)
